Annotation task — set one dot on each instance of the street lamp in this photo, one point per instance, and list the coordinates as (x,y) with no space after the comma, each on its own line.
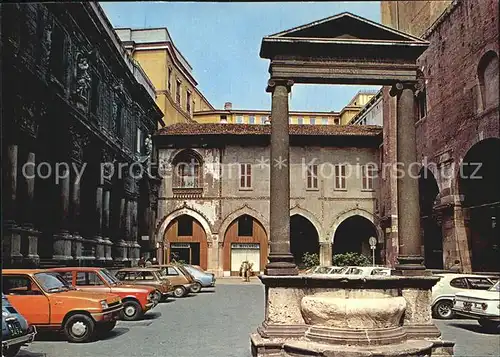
(373,246)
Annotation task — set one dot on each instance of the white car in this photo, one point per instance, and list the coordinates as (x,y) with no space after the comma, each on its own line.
(450,284)
(483,306)
(364,271)
(323,270)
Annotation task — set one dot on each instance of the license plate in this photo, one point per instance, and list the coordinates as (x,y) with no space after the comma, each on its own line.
(467,306)
(14,329)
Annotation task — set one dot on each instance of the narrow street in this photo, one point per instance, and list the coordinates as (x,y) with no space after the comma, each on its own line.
(218,324)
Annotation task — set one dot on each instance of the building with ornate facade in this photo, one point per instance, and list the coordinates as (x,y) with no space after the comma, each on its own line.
(458,133)
(176,88)
(213,205)
(77,118)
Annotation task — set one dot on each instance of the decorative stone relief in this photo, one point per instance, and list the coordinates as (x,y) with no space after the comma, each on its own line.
(78,141)
(83,80)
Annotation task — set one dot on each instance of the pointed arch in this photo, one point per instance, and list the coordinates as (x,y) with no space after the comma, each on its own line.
(312,218)
(240,212)
(342,216)
(167,219)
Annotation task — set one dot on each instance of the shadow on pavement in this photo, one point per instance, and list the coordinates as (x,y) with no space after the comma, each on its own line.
(24,353)
(55,336)
(117,331)
(207,291)
(151,316)
(475,328)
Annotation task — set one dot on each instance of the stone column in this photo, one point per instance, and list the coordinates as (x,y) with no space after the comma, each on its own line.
(105,224)
(121,247)
(325,253)
(99,251)
(29,234)
(11,239)
(76,247)
(135,247)
(410,258)
(281,261)
(62,240)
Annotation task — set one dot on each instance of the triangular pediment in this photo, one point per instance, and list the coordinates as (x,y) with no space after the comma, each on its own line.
(345,26)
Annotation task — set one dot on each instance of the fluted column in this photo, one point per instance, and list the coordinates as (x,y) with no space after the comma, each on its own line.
(76,248)
(135,247)
(281,261)
(62,240)
(99,252)
(105,223)
(410,259)
(121,251)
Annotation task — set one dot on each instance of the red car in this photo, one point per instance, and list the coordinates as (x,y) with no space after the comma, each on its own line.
(136,299)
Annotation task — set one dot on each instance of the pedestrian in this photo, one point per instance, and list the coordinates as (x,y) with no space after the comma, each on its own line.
(456,268)
(142,262)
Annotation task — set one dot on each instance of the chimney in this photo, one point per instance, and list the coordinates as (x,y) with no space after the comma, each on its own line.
(228,106)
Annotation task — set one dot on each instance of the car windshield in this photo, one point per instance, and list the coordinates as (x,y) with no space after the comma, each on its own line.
(110,278)
(192,270)
(341,271)
(496,287)
(53,282)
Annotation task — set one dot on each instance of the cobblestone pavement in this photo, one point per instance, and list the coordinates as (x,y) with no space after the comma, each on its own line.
(218,324)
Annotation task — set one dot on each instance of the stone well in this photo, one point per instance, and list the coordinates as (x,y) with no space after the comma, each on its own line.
(348,317)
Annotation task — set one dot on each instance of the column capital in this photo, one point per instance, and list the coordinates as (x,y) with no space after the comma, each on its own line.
(273,82)
(398,87)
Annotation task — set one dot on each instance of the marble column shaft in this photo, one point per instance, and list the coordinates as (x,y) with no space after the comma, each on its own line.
(105,217)
(9,209)
(98,212)
(280,258)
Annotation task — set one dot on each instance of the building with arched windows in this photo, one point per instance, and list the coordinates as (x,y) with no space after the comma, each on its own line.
(213,205)
(458,134)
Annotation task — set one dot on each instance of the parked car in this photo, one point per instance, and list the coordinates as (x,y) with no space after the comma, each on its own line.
(450,284)
(323,270)
(47,301)
(201,279)
(146,277)
(136,299)
(182,281)
(16,332)
(363,271)
(482,305)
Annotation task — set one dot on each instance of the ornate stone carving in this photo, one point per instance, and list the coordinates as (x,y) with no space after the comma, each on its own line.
(83,80)
(27,120)
(272,83)
(46,43)
(148,143)
(78,141)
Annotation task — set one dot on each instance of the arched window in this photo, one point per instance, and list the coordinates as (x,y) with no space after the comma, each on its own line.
(487,73)
(187,170)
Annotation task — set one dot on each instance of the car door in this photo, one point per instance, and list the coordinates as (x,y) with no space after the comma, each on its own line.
(173,275)
(91,281)
(27,298)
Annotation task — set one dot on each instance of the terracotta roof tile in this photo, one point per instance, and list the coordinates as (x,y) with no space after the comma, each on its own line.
(257,129)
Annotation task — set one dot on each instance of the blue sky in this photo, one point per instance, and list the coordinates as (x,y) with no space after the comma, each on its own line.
(221,41)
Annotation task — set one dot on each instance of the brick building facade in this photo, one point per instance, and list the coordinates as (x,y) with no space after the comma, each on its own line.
(457,132)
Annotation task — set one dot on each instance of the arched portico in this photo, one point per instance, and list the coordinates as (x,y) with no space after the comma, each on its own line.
(239,212)
(304,238)
(349,213)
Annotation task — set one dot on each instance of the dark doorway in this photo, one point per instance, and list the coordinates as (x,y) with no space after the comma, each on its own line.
(188,253)
(303,238)
(433,236)
(479,186)
(352,236)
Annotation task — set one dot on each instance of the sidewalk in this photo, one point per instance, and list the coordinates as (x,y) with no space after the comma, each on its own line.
(237,280)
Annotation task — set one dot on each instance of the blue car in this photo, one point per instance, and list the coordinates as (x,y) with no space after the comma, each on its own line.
(16,331)
(201,278)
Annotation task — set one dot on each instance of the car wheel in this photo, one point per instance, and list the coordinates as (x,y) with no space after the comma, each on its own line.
(489,325)
(132,310)
(11,351)
(179,291)
(79,328)
(443,310)
(106,327)
(196,288)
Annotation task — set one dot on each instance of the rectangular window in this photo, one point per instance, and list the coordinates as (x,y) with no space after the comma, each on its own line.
(300,120)
(88,278)
(369,172)
(324,121)
(239,120)
(422,105)
(188,102)
(340,177)
(245,226)
(337,121)
(251,119)
(245,176)
(312,177)
(223,119)
(184,226)
(312,121)
(169,84)
(178,92)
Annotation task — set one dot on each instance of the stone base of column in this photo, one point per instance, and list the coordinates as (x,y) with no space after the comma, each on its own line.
(29,246)
(311,315)
(77,247)
(99,249)
(62,246)
(281,265)
(107,249)
(411,265)
(88,249)
(120,251)
(134,252)
(11,245)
